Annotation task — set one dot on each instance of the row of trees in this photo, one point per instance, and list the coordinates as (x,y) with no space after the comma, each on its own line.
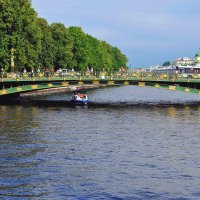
(38,44)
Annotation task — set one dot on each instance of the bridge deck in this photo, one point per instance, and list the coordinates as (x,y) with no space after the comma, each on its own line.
(10,86)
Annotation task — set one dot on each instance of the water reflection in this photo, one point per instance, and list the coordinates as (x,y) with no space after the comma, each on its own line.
(172,111)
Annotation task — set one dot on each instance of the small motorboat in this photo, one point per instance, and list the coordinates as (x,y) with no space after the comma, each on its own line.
(79,98)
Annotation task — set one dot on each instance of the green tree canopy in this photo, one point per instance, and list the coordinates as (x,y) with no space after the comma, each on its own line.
(62,43)
(167,63)
(38,44)
(46,55)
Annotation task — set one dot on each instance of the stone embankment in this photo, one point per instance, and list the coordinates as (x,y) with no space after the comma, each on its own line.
(60,90)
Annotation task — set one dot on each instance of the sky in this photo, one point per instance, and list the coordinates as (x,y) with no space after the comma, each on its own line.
(148,32)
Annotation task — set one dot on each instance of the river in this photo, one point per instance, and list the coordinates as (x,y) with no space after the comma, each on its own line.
(130,143)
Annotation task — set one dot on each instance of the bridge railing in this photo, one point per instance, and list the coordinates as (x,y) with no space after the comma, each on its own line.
(55,75)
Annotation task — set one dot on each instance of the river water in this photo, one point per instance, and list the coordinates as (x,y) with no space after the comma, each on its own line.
(130,143)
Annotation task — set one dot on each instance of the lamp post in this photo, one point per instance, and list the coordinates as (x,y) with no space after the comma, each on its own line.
(12,62)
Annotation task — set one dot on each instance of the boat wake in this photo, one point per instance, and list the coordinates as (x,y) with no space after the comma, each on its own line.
(66,103)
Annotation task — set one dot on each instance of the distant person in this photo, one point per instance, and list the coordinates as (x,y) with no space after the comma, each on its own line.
(32,73)
(59,70)
(176,72)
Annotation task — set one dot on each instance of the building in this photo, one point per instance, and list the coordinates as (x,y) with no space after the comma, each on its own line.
(188,65)
(185,65)
(185,61)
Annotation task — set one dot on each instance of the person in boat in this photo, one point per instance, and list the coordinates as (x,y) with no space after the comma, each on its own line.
(79,96)
(75,95)
(85,96)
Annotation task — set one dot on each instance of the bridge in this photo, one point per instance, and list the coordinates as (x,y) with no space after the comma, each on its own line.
(10,87)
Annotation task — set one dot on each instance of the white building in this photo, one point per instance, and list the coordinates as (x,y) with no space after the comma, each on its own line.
(185,65)
(189,65)
(185,61)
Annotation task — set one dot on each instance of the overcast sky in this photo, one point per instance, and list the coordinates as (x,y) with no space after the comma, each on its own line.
(148,32)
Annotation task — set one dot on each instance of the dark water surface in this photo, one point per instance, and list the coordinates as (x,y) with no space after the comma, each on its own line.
(135,143)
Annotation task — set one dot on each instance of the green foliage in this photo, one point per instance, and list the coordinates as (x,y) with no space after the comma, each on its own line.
(46,55)
(38,44)
(18,30)
(79,48)
(62,44)
(167,63)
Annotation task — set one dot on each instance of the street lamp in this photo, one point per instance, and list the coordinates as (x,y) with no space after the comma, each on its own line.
(12,62)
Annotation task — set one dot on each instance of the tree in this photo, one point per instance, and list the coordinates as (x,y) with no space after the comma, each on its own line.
(37,43)
(18,30)
(79,49)
(167,63)
(6,20)
(62,43)
(46,56)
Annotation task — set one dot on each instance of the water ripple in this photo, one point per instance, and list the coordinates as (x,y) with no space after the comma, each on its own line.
(147,148)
